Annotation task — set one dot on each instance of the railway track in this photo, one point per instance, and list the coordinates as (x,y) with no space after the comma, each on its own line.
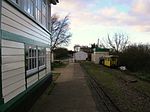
(103,101)
(133,97)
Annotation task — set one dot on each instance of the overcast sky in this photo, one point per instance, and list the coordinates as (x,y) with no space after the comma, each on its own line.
(93,19)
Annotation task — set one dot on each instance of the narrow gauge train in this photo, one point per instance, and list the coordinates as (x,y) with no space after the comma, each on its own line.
(109,61)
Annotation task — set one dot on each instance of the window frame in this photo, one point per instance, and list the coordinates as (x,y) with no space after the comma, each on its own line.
(42,49)
(33,14)
(30,71)
(44,16)
(38,11)
(29,58)
(28,6)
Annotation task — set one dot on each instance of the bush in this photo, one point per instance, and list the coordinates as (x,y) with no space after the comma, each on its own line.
(136,58)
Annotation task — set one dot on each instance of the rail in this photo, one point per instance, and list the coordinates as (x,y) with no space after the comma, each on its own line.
(104,102)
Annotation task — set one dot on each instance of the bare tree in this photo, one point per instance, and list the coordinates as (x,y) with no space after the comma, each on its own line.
(118,42)
(60,31)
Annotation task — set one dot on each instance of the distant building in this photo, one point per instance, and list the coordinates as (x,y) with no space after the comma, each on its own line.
(85,49)
(88,50)
(80,56)
(99,53)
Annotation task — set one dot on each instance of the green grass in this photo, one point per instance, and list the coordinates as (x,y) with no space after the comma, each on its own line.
(106,79)
(113,83)
(144,76)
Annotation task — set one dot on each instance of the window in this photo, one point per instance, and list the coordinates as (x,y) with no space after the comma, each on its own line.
(44,17)
(31,59)
(29,6)
(41,12)
(38,9)
(42,57)
(35,59)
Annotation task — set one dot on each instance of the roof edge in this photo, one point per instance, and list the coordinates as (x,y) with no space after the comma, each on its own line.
(54,2)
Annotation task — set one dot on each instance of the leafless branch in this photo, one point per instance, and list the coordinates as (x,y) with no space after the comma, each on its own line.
(118,42)
(60,31)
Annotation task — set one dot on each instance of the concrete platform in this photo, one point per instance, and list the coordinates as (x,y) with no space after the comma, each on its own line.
(71,93)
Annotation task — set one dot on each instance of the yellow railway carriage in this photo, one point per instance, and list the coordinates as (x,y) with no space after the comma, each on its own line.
(111,61)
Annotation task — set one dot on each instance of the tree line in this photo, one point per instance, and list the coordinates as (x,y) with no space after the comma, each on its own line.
(136,57)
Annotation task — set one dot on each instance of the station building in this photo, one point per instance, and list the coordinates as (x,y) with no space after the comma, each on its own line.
(24,52)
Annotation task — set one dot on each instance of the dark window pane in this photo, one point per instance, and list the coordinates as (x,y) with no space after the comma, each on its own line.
(30,61)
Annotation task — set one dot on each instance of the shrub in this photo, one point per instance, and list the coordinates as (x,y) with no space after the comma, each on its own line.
(136,58)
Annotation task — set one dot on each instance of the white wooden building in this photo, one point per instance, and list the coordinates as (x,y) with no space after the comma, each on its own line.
(80,56)
(25,51)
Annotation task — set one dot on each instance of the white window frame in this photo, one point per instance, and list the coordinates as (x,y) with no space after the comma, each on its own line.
(29,59)
(40,52)
(44,13)
(37,9)
(28,6)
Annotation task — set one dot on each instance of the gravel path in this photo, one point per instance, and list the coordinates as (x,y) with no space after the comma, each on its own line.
(71,93)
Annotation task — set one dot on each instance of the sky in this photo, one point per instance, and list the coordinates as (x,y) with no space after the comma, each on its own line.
(91,20)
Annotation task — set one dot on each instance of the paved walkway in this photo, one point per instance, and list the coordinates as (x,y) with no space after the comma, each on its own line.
(71,93)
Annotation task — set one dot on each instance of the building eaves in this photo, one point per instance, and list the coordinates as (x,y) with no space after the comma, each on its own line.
(54,2)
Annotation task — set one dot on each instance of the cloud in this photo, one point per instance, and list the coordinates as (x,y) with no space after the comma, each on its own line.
(138,17)
(125,2)
(145,28)
(140,10)
(141,7)
(108,11)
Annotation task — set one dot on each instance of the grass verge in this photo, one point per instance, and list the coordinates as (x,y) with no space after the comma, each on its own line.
(130,97)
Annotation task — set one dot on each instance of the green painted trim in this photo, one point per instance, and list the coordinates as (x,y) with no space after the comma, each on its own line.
(18,38)
(1,101)
(26,14)
(16,100)
(101,50)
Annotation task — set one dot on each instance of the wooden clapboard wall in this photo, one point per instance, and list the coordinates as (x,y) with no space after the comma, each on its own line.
(13,57)
(15,21)
(13,69)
